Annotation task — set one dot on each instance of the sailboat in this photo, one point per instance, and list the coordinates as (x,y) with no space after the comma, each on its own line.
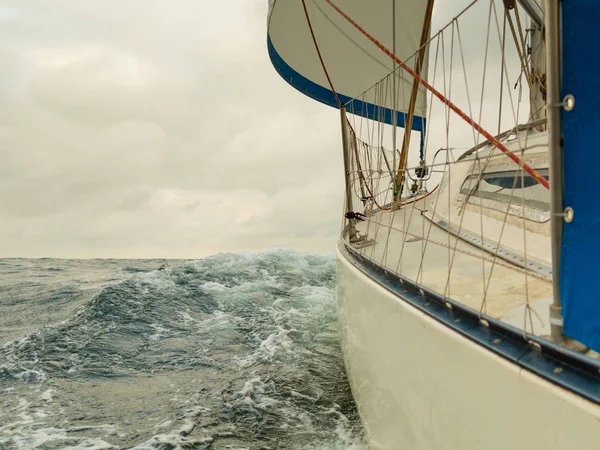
(467,265)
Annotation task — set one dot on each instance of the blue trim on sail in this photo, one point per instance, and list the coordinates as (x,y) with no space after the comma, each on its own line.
(324,95)
(563,367)
(580,257)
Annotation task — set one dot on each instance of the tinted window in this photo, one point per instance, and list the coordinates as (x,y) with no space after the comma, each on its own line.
(498,188)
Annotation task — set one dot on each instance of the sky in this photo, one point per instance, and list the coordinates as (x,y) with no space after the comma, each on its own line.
(137,129)
(153,128)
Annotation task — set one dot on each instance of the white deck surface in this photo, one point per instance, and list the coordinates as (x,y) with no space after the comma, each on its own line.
(411,245)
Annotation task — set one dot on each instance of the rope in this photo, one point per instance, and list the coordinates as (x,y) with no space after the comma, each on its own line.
(312,33)
(352,41)
(533,173)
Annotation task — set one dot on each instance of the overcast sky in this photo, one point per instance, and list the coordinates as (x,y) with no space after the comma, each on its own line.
(157,128)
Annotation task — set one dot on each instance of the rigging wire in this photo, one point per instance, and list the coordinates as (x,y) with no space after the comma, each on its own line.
(534,174)
(371,172)
(352,41)
(312,33)
(502,72)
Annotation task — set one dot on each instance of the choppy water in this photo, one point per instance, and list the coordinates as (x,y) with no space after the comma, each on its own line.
(234,351)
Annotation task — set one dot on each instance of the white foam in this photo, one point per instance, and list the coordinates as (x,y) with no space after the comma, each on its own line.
(47,395)
(173,441)
(255,385)
(302,396)
(178,437)
(187,318)
(160,331)
(29,433)
(276,341)
(260,328)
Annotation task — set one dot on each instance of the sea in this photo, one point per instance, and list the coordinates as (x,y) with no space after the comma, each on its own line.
(232,351)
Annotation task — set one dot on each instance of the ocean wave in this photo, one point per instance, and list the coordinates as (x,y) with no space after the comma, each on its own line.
(244,349)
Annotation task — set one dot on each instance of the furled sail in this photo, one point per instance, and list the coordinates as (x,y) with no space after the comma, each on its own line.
(579,268)
(353,62)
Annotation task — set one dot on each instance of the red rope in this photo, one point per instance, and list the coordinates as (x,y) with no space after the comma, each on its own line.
(536,176)
(319,53)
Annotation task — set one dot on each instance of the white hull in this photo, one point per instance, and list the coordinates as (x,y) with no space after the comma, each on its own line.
(420,385)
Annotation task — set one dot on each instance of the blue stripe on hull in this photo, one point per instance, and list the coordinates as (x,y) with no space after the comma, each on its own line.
(324,95)
(577,373)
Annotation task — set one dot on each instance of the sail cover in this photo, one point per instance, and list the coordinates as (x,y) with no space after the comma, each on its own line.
(354,63)
(580,256)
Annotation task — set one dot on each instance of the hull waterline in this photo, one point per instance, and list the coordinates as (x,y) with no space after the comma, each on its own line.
(419,385)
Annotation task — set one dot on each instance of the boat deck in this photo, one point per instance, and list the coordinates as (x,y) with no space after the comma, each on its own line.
(408,243)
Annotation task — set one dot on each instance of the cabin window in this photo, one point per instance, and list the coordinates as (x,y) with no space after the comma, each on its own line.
(497,189)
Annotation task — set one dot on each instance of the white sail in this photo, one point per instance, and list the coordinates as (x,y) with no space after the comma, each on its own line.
(353,62)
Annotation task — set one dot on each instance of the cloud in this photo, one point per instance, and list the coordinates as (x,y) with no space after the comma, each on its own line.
(158,129)
(144,129)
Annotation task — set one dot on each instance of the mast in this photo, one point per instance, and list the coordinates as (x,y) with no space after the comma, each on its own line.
(394,93)
(534,11)
(555,150)
(413,100)
(347,170)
